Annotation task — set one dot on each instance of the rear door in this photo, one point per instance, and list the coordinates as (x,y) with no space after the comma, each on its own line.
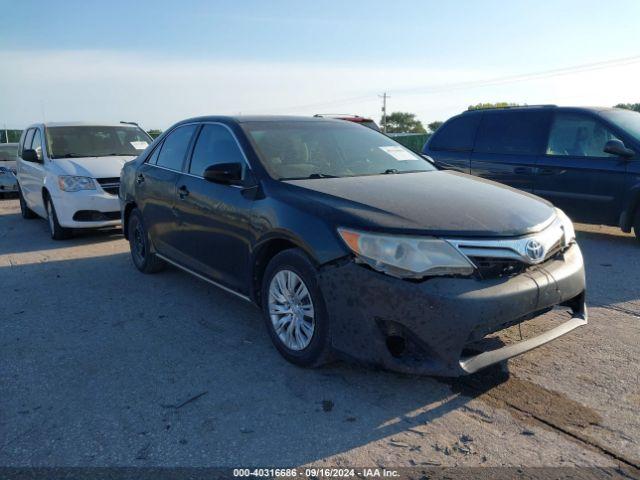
(451,145)
(508,145)
(156,189)
(577,175)
(214,219)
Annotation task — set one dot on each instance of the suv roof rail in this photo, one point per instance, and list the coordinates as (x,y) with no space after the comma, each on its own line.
(507,107)
(130,123)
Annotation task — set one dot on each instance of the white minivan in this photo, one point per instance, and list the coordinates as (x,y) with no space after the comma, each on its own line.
(69,173)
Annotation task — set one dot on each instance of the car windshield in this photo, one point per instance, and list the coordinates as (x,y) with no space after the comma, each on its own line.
(95,141)
(627,120)
(296,150)
(8,152)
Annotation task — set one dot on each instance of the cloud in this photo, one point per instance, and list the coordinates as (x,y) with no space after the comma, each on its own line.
(157,91)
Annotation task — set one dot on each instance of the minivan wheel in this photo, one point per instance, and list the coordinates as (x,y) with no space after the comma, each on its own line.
(294,310)
(55,229)
(143,258)
(25,211)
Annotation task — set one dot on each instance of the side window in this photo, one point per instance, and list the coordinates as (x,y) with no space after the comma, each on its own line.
(458,134)
(175,146)
(215,144)
(153,158)
(37,144)
(513,133)
(573,134)
(27,140)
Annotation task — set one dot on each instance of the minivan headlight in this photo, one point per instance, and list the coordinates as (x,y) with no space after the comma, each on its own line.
(71,183)
(567,227)
(406,257)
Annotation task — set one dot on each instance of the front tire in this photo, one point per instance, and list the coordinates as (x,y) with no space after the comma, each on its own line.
(25,211)
(294,310)
(143,258)
(57,231)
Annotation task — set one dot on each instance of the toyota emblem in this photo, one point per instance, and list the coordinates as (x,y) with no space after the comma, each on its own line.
(534,250)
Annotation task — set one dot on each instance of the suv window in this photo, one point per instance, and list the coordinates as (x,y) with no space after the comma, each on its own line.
(27,140)
(458,134)
(515,133)
(573,134)
(37,144)
(175,147)
(215,144)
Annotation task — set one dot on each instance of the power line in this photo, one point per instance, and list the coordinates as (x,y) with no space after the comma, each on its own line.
(515,78)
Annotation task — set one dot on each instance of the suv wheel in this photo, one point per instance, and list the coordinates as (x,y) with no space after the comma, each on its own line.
(143,258)
(294,311)
(57,231)
(25,211)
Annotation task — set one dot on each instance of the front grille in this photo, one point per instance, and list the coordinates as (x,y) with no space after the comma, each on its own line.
(489,267)
(110,185)
(95,216)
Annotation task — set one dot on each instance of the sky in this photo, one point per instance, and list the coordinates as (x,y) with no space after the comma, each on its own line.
(157,62)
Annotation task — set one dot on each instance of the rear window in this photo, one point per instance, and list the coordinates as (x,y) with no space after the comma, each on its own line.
(457,134)
(514,133)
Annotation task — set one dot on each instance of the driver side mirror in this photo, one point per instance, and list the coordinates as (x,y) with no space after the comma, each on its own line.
(616,147)
(225,173)
(30,155)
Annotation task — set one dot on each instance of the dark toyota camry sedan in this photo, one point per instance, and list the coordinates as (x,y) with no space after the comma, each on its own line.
(351,244)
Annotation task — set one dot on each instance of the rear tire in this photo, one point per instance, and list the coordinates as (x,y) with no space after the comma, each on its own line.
(57,231)
(143,258)
(25,211)
(295,314)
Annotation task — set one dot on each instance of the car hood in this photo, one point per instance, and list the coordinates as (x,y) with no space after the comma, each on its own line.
(438,202)
(94,167)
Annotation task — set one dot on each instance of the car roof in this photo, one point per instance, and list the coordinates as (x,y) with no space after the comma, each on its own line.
(528,108)
(258,118)
(81,124)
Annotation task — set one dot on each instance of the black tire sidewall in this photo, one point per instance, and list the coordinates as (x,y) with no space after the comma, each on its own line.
(318,350)
(134,220)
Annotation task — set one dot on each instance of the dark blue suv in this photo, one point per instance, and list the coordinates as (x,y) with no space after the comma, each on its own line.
(584,160)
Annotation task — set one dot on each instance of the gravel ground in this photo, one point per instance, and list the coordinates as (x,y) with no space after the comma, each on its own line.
(101,365)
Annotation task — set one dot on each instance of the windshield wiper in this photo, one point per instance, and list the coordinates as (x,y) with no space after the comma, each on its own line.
(321,175)
(72,155)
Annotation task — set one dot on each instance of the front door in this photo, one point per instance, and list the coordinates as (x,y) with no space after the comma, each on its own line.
(214,219)
(577,175)
(31,174)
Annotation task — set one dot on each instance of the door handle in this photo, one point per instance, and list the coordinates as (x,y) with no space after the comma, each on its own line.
(546,171)
(523,170)
(183,192)
(139,179)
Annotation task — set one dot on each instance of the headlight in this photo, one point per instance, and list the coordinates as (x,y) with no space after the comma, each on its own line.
(406,257)
(567,227)
(70,183)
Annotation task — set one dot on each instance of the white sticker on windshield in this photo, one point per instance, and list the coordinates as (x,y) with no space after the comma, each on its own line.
(398,153)
(139,145)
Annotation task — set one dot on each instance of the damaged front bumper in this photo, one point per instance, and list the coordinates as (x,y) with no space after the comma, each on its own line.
(425,327)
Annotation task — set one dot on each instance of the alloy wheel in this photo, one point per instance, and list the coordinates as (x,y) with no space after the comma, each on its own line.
(291,310)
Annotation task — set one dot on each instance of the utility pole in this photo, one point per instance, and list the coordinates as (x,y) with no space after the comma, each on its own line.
(6,134)
(384,97)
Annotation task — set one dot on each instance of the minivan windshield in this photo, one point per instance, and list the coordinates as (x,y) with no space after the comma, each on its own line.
(95,141)
(627,120)
(8,152)
(295,150)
